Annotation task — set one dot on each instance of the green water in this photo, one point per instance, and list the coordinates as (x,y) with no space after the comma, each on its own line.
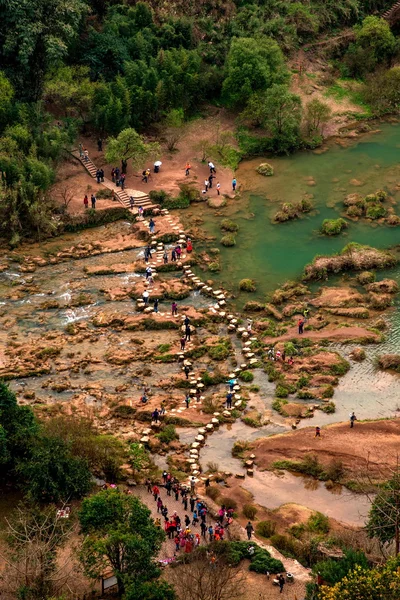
(273,253)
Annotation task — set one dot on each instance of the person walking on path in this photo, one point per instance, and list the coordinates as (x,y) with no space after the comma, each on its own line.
(301,325)
(86,201)
(148,272)
(93,201)
(122,181)
(173,255)
(146,295)
(155,305)
(229,400)
(306,312)
(210,180)
(218,188)
(186,370)
(85,155)
(183,343)
(131,202)
(318,432)
(192,487)
(140,211)
(281,582)
(211,167)
(249,529)
(102,175)
(352,419)
(100,145)
(188,331)
(187,400)
(165,257)
(174,309)
(206,184)
(234,184)
(80,150)
(152,225)
(187,169)
(98,175)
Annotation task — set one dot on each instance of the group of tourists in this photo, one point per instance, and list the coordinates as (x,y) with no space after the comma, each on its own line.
(184,530)
(118,177)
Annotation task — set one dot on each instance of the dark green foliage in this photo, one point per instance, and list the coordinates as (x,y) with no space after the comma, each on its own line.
(53,473)
(265,528)
(333,226)
(281,391)
(221,350)
(167,434)
(333,571)
(384,516)
(260,561)
(119,535)
(246,376)
(318,523)
(249,511)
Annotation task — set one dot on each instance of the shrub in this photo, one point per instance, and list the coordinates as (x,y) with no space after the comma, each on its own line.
(247,285)
(375,211)
(305,205)
(167,434)
(340,368)
(290,349)
(305,394)
(281,391)
(159,196)
(335,470)
(389,362)
(329,408)
(318,523)
(246,376)
(220,351)
(212,492)
(228,225)
(266,528)
(265,169)
(228,502)
(328,391)
(302,381)
(249,511)
(228,240)
(354,211)
(333,226)
(104,193)
(239,448)
(366,277)
(214,267)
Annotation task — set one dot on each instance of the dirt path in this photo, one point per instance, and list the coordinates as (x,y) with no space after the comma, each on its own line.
(331,333)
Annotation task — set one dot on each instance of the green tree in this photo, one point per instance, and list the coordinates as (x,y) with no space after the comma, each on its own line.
(154,590)
(35,35)
(129,145)
(317,115)
(119,535)
(71,91)
(375,45)
(382,91)
(139,457)
(173,127)
(18,429)
(52,473)
(384,516)
(6,101)
(283,118)
(381,583)
(252,65)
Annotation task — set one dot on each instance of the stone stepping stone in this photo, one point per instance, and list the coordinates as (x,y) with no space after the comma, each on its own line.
(215,422)
(210,427)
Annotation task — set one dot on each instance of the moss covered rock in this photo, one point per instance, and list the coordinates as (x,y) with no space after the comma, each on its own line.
(393,220)
(366,277)
(228,240)
(247,285)
(375,211)
(214,267)
(389,362)
(354,200)
(333,226)
(354,211)
(228,225)
(265,169)
(304,205)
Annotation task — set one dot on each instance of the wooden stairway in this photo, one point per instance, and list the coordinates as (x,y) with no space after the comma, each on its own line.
(393,14)
(141,198)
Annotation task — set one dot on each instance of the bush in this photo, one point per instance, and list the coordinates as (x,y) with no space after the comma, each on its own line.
(265,169)
(247,285)
(335,470)
(214,267)
(354,211)
(104,193)
(228,240)
(250,511)
(376,211)
(246,376)
(228,502)
(333,226)
(220,351)
(239,448)
(159,197)
(281,391)
(318,523)
(266,528)
(366,277)
(212,492)
(328,391)
(167,435)
(389,362)
(329,408)
(228,225)
(305,205)
(340,368)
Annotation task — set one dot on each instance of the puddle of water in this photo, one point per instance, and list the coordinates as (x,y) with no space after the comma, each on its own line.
(272,490)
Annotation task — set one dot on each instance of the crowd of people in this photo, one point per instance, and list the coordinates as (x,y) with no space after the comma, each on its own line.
(197,524)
